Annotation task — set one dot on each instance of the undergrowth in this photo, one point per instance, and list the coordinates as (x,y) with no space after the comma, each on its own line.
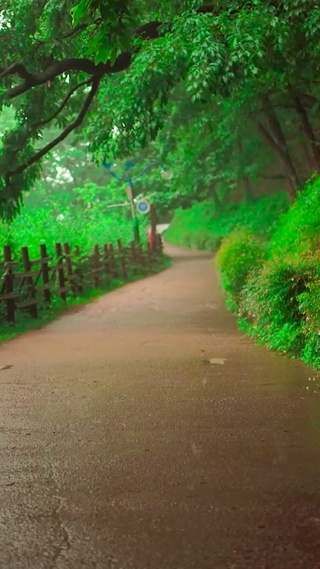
(268,260)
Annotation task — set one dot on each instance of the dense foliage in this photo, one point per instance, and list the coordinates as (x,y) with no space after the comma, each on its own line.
(275,287)
(77,217)
(222,89)
(238,255)
(271,306)
(268,262)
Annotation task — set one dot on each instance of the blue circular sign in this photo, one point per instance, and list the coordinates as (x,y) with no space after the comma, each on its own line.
(143,206)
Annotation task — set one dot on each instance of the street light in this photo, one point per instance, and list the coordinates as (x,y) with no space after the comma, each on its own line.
(165,173)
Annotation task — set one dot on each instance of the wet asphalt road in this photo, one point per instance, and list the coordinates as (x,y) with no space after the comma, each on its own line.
(122,449)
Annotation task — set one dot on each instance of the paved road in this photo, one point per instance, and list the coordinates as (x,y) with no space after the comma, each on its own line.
(122,449)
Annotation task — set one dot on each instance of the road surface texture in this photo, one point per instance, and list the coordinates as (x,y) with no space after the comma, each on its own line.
(122,448)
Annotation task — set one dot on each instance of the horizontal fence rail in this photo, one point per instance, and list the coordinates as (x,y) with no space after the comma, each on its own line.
(27,285)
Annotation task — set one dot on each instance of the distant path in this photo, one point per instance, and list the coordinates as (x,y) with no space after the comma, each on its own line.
(122,449)
(162,227)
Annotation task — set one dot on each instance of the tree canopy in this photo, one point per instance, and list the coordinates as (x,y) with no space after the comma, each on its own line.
(214,84)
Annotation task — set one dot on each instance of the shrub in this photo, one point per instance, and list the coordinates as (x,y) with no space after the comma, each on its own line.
(271,302)
(309,303)
(274,285)
(238,255)
(298,229)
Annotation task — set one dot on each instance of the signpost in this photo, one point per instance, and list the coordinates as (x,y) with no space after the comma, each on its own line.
(143,206)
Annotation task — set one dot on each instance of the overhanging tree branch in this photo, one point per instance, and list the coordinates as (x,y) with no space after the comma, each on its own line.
(71,127)
(284,157)
(148,31)
(55,68)
(39,124)
(63,103)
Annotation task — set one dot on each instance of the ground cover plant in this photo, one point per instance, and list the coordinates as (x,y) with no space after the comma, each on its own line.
(269,265)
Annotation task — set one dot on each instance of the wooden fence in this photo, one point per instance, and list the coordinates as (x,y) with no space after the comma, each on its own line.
(29,284)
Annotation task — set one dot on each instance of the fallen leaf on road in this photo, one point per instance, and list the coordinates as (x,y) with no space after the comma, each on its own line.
(215,361)
(5,367)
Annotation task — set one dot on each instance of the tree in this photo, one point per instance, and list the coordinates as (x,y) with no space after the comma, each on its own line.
(68,57)
(58,49)
(254,59)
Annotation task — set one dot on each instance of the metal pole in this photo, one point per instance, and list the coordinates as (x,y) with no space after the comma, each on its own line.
(135,222)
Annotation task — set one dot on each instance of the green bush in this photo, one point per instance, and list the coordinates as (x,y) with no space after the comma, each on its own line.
(238,255)
(298,229)
(274,282)
(271,303)
(309,302)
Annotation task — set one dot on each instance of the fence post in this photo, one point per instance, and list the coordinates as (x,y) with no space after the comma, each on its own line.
(113,266)
(8,285)
(60,271)
(33,310)
(95,263)
(122,260)
(106,261)
(45,273)
(69,269)
(77,270)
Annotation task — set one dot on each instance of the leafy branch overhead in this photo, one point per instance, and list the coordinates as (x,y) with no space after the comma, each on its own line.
(239,64)
(52,75)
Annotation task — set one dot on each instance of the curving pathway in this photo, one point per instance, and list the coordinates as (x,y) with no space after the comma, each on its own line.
(123,448)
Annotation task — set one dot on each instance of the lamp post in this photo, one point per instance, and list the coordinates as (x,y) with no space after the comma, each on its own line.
(165,173)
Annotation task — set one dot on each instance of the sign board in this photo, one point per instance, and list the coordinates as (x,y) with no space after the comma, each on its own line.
(143,206)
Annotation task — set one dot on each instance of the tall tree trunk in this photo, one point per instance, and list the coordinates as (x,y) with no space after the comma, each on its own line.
(280,141)
(292,187)
(307,129)
(276,139)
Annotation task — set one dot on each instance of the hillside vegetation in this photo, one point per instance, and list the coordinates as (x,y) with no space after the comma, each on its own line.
(268,259)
